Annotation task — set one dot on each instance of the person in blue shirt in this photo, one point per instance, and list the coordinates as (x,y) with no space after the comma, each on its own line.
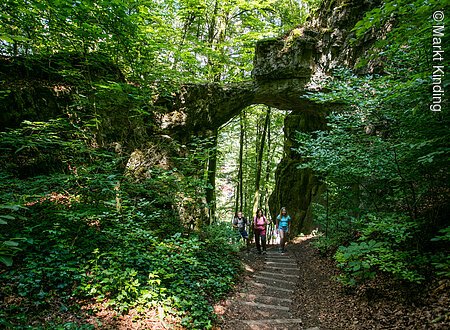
(283,223)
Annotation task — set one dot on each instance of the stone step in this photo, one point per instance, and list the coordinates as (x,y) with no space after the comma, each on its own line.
(281,260)
(266,306)
(278,274)
(262,311)
(278,268)
(280,265)
(272,324)
(286,262)
(278,255)
(274,280)
(263,314)
(269,289)
(266,299)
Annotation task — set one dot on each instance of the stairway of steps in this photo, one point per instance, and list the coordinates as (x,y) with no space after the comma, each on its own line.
(269,295)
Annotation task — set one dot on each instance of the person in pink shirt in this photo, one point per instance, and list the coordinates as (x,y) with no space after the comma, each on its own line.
(259,227)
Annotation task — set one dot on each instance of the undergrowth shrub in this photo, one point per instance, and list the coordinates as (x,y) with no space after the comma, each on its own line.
(336,229)
(385,242)
(9,244)
(441,260)
(91,233)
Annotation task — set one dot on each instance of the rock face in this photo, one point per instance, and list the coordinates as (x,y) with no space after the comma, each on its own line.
(202,108)
(297,188)
(286,68)
(37,89)
(336,45)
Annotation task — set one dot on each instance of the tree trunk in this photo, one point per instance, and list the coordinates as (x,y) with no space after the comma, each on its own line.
(240,190)
(259,159)
(268,160)
(211,179)
(245,170)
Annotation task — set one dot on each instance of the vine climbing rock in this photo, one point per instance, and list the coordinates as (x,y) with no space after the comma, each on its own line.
(265,299)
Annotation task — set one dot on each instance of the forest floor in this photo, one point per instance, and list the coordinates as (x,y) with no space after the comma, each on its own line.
(292,291)
(313,299)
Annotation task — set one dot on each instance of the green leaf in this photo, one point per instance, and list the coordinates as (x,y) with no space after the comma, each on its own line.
(6,38)
(8,261)
(11,243)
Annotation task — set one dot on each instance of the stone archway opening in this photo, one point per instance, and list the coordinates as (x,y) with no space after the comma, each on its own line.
(283,184)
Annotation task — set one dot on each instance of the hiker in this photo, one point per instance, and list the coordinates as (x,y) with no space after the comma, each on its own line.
(283,223)
(240,223)
(259,227)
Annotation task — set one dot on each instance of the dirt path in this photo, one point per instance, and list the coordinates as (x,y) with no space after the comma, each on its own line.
(298,290)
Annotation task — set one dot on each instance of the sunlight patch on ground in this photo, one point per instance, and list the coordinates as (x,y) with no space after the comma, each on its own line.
(103,317)
(248,268)
(303,238)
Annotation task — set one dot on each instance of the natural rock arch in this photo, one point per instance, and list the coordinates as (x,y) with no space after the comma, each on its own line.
(285,68)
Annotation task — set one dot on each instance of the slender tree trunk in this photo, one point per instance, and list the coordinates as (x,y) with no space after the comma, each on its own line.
(268,161)
(211,179)
(270,228)
(236,202)
(240,190)
(256,198)
(245,168)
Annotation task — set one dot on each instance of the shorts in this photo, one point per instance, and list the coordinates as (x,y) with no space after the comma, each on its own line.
(283,232)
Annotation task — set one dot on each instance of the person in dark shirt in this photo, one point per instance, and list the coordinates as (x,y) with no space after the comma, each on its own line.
(240,223)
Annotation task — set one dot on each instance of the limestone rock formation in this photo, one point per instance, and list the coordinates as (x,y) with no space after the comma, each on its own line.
(38,89)
(201,108)
(285,68)
(297,188)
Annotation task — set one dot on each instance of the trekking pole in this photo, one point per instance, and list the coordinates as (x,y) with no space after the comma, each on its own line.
(250,237)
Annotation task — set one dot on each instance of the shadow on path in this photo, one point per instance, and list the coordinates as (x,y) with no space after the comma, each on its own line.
(264,300)
(298,290)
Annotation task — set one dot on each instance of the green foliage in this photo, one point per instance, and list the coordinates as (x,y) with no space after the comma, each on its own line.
(178,273)
(444,235)
(384,156)
(337,228)
(221,234)
(385,243)
(355,259)
(373,160)
(9,246)
(228,159)
(164,41)
(90,232)
(38,148)
(441,261)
